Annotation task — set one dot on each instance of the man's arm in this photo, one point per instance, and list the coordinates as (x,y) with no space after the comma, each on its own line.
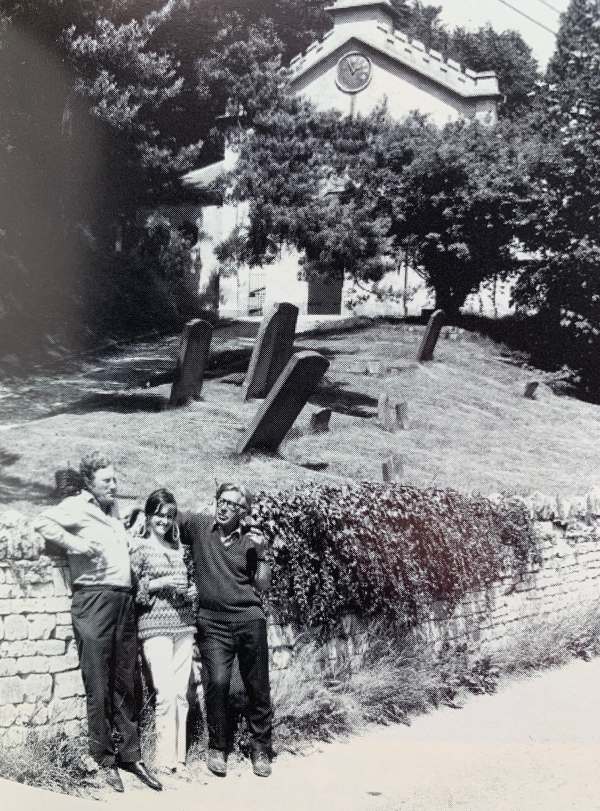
(262,578)
(52,524)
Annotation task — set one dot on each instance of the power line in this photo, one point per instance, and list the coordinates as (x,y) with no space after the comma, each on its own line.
(527,17)
(549,5)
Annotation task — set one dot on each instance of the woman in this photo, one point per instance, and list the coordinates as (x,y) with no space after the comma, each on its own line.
(165,593)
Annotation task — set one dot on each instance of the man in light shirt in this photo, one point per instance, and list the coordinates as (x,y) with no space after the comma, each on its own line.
(86,526)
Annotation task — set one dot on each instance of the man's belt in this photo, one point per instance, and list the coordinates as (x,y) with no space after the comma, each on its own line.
(100,587)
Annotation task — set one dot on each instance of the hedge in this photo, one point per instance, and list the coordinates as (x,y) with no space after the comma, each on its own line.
(385,550)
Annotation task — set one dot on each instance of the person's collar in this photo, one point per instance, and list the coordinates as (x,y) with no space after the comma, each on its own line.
(91,498)
(235,534)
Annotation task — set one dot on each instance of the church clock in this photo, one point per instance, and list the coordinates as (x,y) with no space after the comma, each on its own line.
(353,72)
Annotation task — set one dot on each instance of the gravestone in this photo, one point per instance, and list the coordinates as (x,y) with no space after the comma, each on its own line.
(432,333)
(191,362)
(392,470)
(530,389)
(284,402)
(272,350)
(319,421)
(392,414)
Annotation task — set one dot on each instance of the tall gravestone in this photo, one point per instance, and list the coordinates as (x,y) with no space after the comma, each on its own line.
(392,470)
(272,350)
(432,333)
(191,362)
(392,414)
(285,401)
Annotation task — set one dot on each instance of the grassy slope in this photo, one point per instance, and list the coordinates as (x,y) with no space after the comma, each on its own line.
(470,429)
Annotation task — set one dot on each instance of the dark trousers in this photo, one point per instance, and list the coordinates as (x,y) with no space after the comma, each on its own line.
(219,642)
(105,632)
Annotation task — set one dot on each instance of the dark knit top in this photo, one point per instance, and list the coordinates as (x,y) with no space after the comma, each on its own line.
(225,570)
(161,613)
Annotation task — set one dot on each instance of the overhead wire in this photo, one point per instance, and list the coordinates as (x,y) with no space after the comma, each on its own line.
(527,17)
(549,5)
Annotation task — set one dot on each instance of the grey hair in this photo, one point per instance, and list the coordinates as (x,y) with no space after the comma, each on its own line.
(91,462)
(236,488)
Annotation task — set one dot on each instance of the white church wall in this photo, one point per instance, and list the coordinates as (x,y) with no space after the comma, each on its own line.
(404,90)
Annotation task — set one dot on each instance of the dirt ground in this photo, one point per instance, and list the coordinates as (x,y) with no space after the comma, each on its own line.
(533,746)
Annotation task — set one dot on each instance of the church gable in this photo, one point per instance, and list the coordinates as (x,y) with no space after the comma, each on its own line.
(364,60)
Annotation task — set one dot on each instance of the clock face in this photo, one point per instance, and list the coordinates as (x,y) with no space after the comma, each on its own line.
(353,72)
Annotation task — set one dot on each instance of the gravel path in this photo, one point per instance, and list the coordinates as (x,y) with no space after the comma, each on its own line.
(533,746)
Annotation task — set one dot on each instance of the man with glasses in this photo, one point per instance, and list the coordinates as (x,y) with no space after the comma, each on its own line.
(231,570)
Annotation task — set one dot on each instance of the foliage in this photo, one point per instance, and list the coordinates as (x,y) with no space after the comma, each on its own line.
(351,193)
(563,282)
(59,763)
(385,550)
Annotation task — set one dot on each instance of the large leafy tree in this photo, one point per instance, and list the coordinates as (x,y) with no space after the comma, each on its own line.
(82,150)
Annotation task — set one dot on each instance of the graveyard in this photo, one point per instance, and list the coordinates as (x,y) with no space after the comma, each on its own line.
(470,418)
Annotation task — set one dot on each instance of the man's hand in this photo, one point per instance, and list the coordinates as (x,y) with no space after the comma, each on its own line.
(258,540)
(79,546)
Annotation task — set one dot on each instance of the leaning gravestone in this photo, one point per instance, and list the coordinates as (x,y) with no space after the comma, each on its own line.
(272,350)
(432,333)
(530,389)
(191,362)
(284,402)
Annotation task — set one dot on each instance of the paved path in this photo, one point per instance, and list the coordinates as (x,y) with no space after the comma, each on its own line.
(533,746)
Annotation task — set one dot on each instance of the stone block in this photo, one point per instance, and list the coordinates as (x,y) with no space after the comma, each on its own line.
(68,684)
(15,737)
(37,687)
(40,590)
(11,690)
(33,664)
(50,647)
(70,661)
(1,628)
(8,715)
(63,632)
(9,591)
(40,716)
(63,618)
(25,713)
(61,581)
(66,709)
(41,625)
(8,667)
(16,627)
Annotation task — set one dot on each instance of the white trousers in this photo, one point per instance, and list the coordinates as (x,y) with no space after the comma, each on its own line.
(170,662)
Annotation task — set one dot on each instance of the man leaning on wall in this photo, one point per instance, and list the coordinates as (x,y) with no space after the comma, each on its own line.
(86,526)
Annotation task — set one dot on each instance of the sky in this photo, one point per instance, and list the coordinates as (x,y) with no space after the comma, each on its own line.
(475,13)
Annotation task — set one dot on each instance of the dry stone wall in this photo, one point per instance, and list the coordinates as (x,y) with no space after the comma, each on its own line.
(40,682)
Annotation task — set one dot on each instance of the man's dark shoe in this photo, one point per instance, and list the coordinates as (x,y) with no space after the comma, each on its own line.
(261,764)
(216,762)
(113,778)
(140,770)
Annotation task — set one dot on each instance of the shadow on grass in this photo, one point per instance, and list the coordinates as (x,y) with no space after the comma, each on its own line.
(117,402)
(13,488)
(344,401)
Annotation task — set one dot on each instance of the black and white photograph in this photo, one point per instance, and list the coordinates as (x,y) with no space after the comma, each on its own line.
(299,405)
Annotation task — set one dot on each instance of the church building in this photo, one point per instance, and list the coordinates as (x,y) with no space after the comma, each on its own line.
(363,61)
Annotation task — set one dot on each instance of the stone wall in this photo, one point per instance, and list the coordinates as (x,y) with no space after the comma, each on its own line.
(40,681)
(41,686)
(565,582)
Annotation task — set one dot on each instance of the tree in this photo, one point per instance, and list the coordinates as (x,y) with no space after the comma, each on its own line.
(349,193)
(564,285)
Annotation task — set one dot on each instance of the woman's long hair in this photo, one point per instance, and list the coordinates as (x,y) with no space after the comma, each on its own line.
(156,501)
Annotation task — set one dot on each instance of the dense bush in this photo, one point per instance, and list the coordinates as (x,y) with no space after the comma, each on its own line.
(385,550)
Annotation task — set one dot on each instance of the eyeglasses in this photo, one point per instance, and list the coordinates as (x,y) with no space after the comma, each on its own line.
(232,505)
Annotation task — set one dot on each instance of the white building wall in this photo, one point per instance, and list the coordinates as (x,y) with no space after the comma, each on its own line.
(403,90)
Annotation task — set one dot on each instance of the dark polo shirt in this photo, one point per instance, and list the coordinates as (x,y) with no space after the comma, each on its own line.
(224,568)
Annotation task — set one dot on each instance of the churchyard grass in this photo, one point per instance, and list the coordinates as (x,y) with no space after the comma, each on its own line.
(469,428)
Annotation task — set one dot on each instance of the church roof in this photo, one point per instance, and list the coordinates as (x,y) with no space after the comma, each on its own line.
(398,47)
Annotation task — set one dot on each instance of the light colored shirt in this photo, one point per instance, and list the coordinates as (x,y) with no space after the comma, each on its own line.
(80,517)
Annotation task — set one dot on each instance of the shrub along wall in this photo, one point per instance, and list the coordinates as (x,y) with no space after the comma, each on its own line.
(456,569)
